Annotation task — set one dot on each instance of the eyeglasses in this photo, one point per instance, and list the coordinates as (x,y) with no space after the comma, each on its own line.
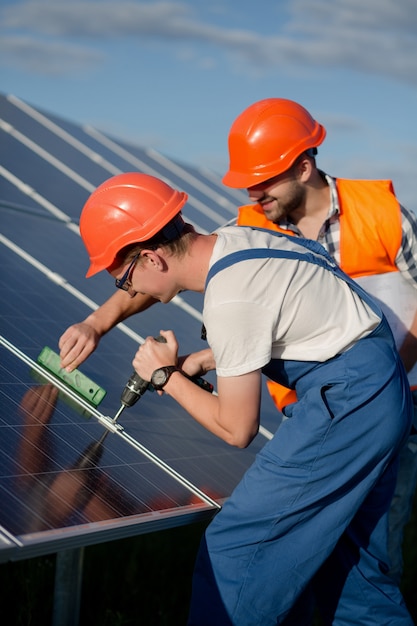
(123,282)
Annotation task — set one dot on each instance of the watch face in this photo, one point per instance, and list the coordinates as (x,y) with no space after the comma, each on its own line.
(159,377)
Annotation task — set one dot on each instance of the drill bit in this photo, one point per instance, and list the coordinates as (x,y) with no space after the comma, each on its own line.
(118,414)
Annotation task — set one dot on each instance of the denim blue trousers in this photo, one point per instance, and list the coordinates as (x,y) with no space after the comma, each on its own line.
(402,502)
(309,519)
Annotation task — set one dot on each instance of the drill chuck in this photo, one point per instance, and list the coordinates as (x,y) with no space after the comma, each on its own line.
(136,387)
(133,390)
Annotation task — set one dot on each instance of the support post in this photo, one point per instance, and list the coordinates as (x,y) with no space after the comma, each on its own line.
(67,591)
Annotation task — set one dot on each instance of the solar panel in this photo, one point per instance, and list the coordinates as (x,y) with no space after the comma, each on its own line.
(69,476)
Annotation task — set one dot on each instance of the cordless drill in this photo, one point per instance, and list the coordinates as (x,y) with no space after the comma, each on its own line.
(136,387)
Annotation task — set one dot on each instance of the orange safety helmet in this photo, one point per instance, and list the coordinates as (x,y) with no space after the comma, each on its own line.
(126,209)
(266,139)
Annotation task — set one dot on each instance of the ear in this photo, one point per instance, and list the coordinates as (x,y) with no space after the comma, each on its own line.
(152,259)
(304,169)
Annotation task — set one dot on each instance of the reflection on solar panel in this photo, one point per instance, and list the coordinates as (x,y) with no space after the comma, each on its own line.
(69,476)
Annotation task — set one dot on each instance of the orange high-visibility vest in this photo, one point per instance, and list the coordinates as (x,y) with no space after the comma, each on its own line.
(370,237)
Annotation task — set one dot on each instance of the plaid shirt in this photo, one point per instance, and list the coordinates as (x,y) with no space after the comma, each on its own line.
(329,235)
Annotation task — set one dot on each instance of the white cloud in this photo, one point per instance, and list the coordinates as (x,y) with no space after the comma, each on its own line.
(376,36)
(44,57)
(320,16)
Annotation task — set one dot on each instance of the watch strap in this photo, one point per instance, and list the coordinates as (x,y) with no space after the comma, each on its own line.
(168,370)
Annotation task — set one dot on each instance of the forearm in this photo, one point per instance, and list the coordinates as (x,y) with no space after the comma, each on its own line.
(202,406)
(233,415)
(82,338)
(116,309)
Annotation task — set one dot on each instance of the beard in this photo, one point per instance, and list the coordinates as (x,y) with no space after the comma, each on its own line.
(284,205)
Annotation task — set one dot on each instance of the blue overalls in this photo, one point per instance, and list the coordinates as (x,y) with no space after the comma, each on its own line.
(307,524)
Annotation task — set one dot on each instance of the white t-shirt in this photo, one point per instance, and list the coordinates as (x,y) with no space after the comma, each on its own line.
(260,309)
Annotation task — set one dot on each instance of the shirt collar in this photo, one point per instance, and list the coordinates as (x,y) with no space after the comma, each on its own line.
(334,199)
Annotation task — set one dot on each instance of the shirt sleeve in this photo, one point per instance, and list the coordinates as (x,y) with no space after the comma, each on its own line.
(406,260)
(239,342)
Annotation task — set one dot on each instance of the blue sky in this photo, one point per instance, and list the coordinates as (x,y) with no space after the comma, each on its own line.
(174,75)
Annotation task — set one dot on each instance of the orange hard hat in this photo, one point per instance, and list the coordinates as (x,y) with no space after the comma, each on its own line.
(266,139)
(126,209)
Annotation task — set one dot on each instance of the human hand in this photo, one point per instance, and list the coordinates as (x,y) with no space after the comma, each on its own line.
(153,354)
(76,344)
(197,363)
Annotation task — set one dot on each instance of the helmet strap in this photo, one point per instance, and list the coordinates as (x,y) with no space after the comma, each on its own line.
(172,230)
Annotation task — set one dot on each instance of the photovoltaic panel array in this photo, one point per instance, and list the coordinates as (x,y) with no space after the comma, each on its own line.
(69,476)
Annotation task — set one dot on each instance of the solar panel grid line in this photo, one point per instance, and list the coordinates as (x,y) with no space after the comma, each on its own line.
(193,221)
(68,171)
(61,385)
(47,156)
(92,411)
(139,164)
(60,281)
(142,166)
(26,209)
(238,195)
(56,278)
(158,468)
(37,518)
(217,196)
(265,432)
(20,471)
(79,474)
(38,541)
(189,178)
(96,157)
(57,469)
(170,500)
(107,422)
(173,473)
(63,134)
(75,292)
(8,538)
(63,282)
(187,308)
(29,191)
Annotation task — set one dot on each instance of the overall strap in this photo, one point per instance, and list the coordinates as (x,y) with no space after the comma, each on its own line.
(313,249)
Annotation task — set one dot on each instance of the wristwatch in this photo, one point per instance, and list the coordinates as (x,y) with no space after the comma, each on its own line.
(161,376)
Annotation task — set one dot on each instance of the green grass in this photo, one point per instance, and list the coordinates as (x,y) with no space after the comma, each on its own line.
(143,581)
